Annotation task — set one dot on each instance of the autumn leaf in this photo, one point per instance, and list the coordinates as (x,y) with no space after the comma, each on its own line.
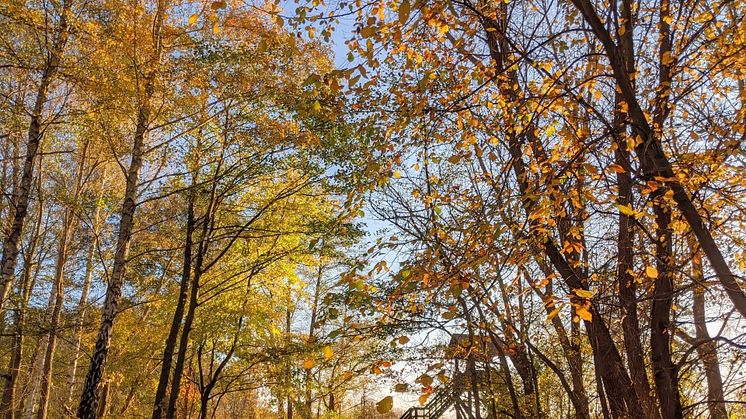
(404,10)
(385,405)
(553,313)
(423,399)
(403,340)
(625,209)
(425,380)
(651,271)
(193,19)
(308,363)
(367,31)
(328,352)
(583,313)
(583,293)
(616,168)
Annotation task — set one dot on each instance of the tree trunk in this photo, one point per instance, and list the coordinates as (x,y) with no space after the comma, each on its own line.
(173,333)
(203,406)
(21,196)
(89,399)
(600,387)
(38,365)
(707,350)
(59,285)
(312,334)
(628,292)
(618,385)
(664,370)
(655,163)
(59,291)
(104,405)
(202,249)
(8,407)
(188,321)
(82,308)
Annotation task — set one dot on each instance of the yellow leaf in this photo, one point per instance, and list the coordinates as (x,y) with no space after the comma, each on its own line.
(667,58)
(423,399)
(583,313)
(308,363)
(404,10)
(385,405)
(328,352)
(551,130)
(651,272)
(316,105)
(193,19)
(631,143)
(397,174)
(216,28)
(583,293)
(625,209)
(553,313)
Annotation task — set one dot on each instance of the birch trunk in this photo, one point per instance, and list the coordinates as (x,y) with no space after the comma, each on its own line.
(8,409)
(88,407)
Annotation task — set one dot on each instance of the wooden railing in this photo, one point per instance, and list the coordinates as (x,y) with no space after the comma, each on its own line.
(439,403)
(442,400)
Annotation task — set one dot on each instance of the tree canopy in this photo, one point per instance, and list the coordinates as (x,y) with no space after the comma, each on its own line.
(403,208)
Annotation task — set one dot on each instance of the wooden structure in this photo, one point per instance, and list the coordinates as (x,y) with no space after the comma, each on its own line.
(469,351)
